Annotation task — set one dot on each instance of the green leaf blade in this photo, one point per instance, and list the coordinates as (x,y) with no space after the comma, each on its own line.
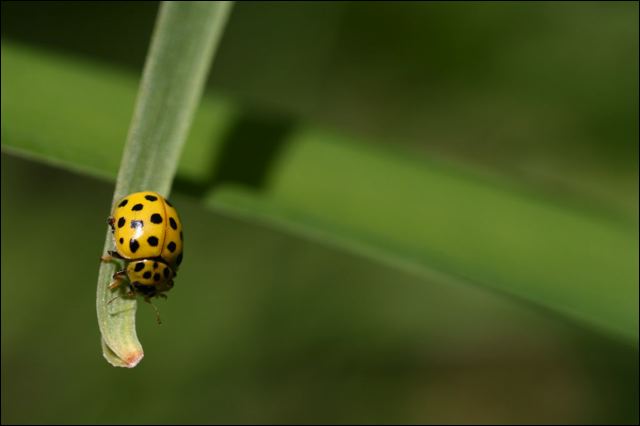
(434,220)
(183,45)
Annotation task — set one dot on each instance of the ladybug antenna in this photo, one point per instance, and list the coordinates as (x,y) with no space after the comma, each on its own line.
(109,302)
(155,309)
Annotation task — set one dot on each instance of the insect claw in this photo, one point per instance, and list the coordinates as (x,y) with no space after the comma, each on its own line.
(109,302)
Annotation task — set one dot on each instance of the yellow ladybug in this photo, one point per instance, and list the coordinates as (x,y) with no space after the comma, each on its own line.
(148,236)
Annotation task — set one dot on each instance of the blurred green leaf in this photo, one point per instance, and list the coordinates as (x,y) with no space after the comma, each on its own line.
(424,217)
(75,113)
(442,223)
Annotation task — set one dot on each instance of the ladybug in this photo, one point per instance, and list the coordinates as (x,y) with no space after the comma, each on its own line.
(147,232)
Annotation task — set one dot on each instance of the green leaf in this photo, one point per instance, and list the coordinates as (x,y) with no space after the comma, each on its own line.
(447,225)
(183,45)
(86,133)
(434,219)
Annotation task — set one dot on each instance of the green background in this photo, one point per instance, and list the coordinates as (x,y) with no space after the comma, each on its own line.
(393,213)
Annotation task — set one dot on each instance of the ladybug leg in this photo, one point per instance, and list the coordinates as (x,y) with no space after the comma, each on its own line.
(111,220)
(115,254)
(118,277)
(130,291)
(111,256)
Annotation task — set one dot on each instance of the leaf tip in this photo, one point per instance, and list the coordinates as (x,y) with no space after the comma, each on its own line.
(133,359)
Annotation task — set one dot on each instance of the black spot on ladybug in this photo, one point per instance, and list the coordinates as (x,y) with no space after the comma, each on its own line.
(156,218)
(121,240)
(147,275)
(153,242)
(121,222)
(173,223)
(123,203)
(139,267)
(135,224)
(172,246)
(155,265)
(166,272)
(181,239)
(137,207)
(156,277)
(167,201)
(179,259)
(151,197)
(134,246)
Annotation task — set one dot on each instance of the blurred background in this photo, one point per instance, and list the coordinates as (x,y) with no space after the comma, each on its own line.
(394,212)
